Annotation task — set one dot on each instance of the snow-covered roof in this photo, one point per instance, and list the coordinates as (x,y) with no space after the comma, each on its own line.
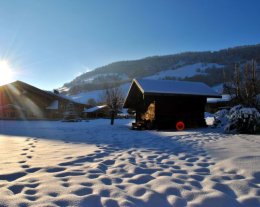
(54,105)
(175,87)
(96,108)
(224,98)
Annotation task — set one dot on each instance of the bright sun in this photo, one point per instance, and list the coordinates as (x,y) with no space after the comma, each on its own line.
(6,72)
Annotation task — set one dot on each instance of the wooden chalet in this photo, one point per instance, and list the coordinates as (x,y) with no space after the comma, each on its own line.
(161,104)
(102,111)
(19,100)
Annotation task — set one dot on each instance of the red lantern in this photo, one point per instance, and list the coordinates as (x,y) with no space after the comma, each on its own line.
(180,126)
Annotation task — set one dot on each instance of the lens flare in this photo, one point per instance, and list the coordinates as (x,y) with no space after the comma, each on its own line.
(6,72)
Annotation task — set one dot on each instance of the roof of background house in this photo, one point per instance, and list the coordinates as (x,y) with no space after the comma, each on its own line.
(94,109)
(43,92)
(224,98)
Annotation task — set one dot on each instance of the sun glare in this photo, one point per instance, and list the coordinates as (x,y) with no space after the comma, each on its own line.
(6,72)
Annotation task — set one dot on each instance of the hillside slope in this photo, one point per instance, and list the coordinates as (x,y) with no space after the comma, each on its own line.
(198,66)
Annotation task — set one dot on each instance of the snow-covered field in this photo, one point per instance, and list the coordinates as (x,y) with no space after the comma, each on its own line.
(95,164)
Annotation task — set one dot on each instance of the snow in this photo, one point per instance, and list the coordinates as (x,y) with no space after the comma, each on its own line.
(180,72)
(68,98)
(224,98)
(96,95)
(185,71)
(96,108)
(219,88)
(175,87)
(106,76)
(51,163)
(63,89)
(242,119)
(250,111)
(209,118)
(85,96)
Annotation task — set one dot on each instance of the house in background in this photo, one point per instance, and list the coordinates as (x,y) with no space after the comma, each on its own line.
(161,104)
(19,100)
(102,111)
(215,104)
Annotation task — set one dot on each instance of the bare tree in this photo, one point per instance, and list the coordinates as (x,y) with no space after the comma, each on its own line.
(244,85)
(114,98)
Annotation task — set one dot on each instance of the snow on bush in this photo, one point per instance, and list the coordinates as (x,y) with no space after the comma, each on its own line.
(243,120)
(220,118)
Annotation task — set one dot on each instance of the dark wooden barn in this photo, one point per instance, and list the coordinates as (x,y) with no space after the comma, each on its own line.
(161,104)
(19,100)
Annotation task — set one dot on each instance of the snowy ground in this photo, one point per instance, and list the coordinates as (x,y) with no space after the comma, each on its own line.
(94,164)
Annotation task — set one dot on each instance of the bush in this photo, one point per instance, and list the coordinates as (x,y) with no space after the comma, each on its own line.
(243,120)
(220,118)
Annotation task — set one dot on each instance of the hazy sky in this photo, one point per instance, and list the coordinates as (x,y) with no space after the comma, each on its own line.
(50,42)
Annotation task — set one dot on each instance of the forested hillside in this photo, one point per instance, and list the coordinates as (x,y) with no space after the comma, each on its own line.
(124,71)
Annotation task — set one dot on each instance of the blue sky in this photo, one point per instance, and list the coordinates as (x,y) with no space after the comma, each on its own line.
(50,42)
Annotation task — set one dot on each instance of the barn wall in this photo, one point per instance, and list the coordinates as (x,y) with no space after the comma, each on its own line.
(138,102)
(171,109)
